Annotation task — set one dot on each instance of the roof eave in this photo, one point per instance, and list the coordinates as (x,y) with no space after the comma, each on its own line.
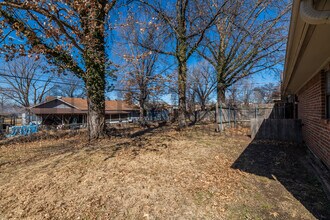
(288,69)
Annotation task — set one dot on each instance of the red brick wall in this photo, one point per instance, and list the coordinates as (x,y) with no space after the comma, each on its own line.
(312,111)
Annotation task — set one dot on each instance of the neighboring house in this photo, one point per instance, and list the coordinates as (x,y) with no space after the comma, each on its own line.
(158,111)
(9,119)
(58,110)
(306,78)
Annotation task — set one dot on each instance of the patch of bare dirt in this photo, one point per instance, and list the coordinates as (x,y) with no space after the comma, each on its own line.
(155,173)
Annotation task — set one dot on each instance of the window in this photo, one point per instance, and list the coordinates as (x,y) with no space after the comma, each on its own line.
(327,93)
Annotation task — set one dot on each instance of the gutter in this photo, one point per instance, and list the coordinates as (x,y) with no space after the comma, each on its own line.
(288,56)
(312,16)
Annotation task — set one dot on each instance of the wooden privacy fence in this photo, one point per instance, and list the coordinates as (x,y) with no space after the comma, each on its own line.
(232,116)
(229,117)
(276,129)
(280,125)
(272,122)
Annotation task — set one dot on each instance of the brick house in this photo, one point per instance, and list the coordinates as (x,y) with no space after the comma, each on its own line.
(306,78)
(61,110)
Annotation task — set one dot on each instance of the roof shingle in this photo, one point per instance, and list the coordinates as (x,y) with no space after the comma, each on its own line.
(81,104)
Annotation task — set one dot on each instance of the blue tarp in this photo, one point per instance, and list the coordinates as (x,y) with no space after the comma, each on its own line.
(24,130)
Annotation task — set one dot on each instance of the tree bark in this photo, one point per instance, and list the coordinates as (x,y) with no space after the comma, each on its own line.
(142,112)
(95,85)
(203,104)
(221,93)
(96,122)
(94,76)
(182,77)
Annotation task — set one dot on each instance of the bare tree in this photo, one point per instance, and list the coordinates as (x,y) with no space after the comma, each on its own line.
(71,34)
(3,101)
(182,26)
(248,37)
(265,93)
(246,92)
(26,84)
(202,83)
(68,86)
(142,76)
(234,93)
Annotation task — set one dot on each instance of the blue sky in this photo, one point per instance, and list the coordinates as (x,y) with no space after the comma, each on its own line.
(258,79)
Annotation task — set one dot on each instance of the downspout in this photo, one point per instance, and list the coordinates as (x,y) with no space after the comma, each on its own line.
(312,16)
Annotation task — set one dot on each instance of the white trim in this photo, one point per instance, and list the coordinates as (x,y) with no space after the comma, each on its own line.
(291,58)
(324,66)
(296,54)
(288,55)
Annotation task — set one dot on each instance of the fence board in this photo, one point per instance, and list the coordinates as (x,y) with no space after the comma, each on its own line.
(276,129)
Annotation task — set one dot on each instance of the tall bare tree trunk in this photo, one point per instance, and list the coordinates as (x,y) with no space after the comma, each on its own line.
(95,85)
(143,112)
(182,72)
(182,78)
(221,88)
(221,98)
(221,93)
(95,72)
(96,119)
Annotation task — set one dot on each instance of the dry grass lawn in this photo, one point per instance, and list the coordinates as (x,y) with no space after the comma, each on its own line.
(162,174)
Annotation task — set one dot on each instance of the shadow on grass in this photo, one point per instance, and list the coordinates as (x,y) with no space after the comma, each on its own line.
(287,164)
(148,130)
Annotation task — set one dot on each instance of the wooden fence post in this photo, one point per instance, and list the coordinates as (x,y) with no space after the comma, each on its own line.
(221,124)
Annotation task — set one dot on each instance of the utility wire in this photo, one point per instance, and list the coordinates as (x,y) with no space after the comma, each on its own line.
(71,84)
(54,82)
